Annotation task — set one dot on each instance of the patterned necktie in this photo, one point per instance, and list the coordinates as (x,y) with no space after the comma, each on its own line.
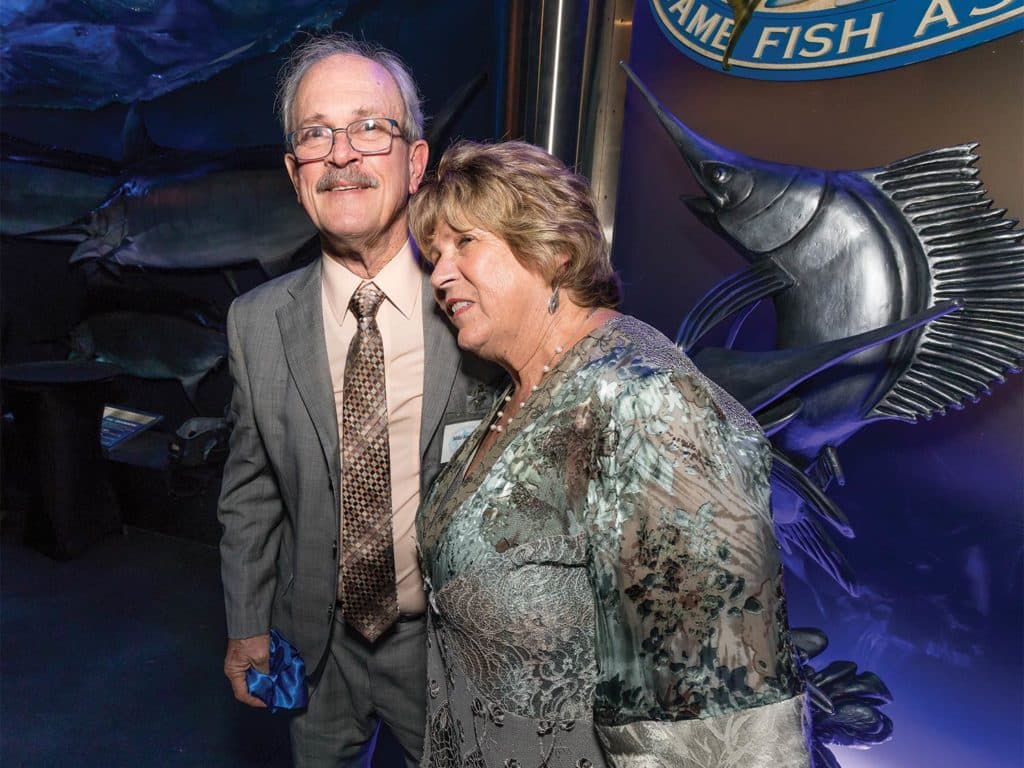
(366,588)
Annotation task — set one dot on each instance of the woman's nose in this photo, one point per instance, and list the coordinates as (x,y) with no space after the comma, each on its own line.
(443,273)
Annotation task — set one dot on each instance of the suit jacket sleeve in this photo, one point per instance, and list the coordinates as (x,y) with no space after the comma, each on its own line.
(250,509)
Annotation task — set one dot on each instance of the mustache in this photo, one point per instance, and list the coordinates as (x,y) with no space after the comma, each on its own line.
(339,177)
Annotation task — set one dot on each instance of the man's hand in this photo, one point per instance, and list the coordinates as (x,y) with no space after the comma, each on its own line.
(242,654)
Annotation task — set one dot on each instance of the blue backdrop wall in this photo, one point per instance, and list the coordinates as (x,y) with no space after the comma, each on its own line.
(937,506)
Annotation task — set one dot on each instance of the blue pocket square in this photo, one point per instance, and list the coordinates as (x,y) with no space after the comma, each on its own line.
(285,686)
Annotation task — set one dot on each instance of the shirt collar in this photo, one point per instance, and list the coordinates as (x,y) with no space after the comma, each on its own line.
(400,280)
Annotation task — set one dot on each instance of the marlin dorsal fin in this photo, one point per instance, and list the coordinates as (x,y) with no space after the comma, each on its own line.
(974,255)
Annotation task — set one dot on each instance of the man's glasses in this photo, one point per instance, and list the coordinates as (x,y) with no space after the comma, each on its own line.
(369,136)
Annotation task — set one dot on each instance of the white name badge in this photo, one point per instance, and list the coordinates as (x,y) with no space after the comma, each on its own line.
(454,436)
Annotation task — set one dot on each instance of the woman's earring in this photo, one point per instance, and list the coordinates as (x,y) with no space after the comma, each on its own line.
(553,301)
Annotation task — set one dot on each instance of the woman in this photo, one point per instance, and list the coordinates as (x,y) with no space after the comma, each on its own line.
(605,584)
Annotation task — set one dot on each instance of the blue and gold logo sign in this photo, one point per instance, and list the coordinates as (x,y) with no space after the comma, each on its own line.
(817,39)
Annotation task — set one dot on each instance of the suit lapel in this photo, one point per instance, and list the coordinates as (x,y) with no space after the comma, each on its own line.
(301,323)
(440,366)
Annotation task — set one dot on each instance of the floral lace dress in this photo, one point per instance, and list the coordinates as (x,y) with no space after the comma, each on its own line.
(605,586)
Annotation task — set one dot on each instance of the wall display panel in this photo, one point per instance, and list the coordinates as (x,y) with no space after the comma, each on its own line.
(815,39)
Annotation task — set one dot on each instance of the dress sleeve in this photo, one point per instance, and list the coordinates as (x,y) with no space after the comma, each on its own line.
(694,657)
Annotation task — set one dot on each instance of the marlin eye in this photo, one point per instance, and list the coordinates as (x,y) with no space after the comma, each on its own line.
(720,175)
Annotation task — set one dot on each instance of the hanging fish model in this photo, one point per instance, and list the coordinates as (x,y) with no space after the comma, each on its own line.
(175,210)
(898,293)
(151,346)
(43,187)
(209,214)
(171,209)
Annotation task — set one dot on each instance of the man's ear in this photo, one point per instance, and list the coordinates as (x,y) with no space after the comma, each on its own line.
(292,166)
(419,153)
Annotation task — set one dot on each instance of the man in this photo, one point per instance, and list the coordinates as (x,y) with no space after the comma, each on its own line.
(349,393)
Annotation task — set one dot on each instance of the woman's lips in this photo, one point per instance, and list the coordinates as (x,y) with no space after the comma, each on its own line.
(458,306)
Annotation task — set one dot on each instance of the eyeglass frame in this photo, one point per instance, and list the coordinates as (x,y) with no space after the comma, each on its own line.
(290,139)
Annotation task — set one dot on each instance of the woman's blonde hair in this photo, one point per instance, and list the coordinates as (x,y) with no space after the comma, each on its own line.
(544,212)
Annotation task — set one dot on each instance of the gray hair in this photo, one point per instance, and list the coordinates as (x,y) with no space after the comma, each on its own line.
(318,48)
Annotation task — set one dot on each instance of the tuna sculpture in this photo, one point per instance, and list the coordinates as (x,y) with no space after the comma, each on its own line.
(904,274)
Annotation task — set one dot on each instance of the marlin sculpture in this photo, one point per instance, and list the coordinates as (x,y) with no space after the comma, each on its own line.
(898,293)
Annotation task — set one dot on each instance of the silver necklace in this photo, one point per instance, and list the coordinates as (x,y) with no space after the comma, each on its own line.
(497,426)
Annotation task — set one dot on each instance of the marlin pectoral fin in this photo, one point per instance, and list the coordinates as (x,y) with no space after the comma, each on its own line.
(754,283)
(790,477)
(737,323)
(827,468)
(778,416)
(809,537)
(757,379)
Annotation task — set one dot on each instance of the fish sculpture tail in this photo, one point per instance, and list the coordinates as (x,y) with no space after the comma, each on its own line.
(974,256)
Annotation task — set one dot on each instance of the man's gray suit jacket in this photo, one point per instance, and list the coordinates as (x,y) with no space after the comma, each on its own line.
(279,504)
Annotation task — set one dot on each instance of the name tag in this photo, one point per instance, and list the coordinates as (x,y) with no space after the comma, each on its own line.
(454,436)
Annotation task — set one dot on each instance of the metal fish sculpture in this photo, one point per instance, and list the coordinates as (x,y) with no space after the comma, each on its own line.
(151,346)
(845,703)
(44,187)
(209,214)
(911,257)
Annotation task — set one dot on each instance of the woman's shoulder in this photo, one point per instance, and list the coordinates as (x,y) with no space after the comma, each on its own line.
(636,359)
(633,343)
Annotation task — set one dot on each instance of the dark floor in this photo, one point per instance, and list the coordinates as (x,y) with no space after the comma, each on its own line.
(114,658)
